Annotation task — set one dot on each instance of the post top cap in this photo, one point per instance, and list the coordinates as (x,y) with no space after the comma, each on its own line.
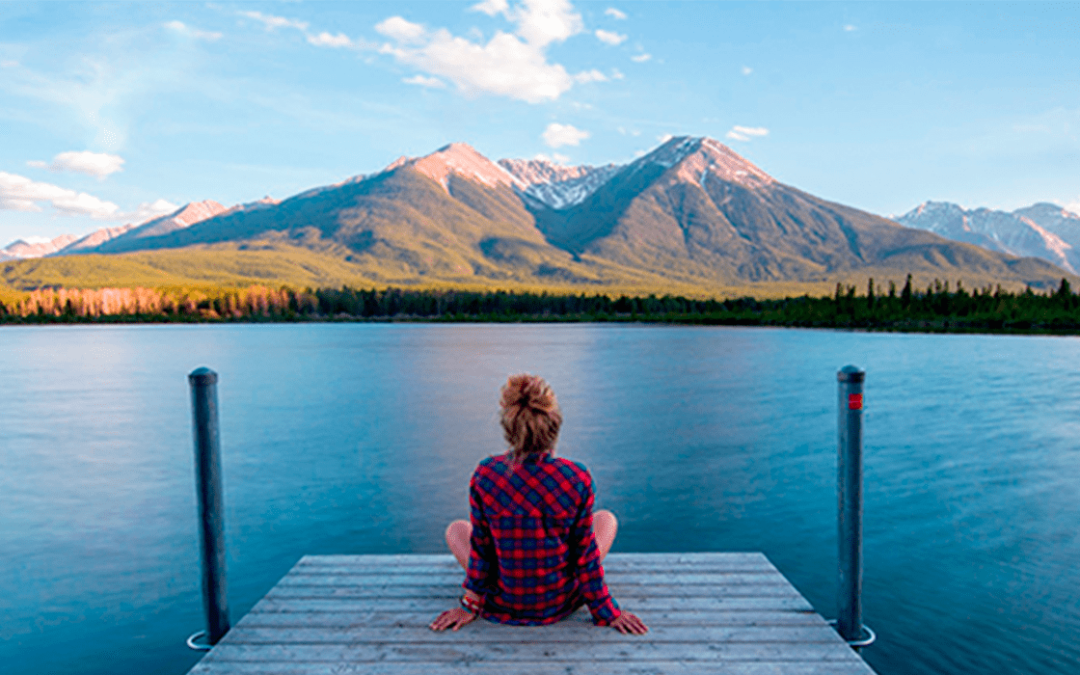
(202,375)
(851,373)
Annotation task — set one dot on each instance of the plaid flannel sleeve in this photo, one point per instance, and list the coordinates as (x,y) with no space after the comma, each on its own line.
(590,573)
(482,573)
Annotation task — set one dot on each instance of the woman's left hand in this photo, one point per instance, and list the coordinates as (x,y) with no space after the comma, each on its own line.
(453,619)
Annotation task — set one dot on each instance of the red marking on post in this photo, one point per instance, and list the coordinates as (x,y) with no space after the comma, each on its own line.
(854,401)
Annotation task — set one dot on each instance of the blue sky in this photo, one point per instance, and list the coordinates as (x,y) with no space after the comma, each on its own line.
(111,112)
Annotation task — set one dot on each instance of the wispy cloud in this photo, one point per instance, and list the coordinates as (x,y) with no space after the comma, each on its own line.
(514,64)
(615,14)
(491,7)
(641,58)
(397,28)
(271,22)
(591,76)
(558,135)
(97,164)
(850,28)
(324,39)
(183,29)
(609,37)
(18,193)
(422,81)
(741,133)
(746,70)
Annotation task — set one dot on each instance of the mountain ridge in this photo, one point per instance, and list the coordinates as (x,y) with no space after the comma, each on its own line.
(691,213)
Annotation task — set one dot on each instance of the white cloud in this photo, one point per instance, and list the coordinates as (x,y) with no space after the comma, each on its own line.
(590,76)
(514,64)
(641,58)
(615,14)
(184,29)
(1073,206)
(97,164)
(616,74)
(740,133)
(18,193)
(557,135)
(274,22)
(9,64)
(849,28)
(491,7)
(609,37)
(746,70)
(401,30)
(541,22)
(324,39)
(664,138)
(422,81)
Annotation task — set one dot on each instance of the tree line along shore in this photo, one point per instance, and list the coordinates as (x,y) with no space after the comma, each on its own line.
(936,308)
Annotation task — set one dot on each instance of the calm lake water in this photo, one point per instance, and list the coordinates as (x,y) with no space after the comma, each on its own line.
(361,439)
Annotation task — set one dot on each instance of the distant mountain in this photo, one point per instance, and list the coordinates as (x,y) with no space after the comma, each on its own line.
(184,217)
(1043,230)
(692,216)
(33,247)
(94,239)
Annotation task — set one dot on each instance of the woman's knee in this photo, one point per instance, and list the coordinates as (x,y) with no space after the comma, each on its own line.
(459,530)
(606,521)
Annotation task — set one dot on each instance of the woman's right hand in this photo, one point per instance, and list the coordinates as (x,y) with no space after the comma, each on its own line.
(453,619)
(628,622)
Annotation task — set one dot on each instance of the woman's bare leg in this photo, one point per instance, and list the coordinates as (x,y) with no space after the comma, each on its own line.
(605,525)
(458,535)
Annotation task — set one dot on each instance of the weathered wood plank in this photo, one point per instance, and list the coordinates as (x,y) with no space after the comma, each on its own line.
(666,577)
(619,591)
(392,560)
(386,619)
(498,634)
(542,668)
(650,603)
(611,564)
(525,654)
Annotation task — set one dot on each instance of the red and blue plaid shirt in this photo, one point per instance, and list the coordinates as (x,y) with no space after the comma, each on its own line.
(534,558)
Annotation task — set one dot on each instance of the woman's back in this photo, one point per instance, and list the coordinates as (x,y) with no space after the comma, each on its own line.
(536,559)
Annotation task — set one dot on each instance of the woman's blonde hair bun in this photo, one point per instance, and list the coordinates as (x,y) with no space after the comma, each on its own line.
(530,415)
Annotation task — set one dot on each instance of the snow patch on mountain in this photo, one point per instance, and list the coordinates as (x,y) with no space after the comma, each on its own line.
(555,185)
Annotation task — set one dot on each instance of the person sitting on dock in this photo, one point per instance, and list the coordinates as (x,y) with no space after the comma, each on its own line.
(533,547)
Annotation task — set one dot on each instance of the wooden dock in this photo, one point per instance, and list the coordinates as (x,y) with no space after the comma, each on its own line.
(709,613)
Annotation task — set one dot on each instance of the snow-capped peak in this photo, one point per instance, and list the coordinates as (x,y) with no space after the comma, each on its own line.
(460,159)
(698,159)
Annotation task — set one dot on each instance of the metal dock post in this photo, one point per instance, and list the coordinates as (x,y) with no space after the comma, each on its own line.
(849,508)
(204,409)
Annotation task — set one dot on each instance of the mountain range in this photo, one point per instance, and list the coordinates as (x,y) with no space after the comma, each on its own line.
(1042,230)
(692,216)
